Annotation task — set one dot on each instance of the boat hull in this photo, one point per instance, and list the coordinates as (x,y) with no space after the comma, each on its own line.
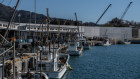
(107,44)
(86,47)
(61,71)
(57,74)
(74,53)
(127,42)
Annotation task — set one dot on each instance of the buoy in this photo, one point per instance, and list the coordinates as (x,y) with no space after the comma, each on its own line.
(44,58)
(69,67)
(16,60)
(10,62)
(13,39)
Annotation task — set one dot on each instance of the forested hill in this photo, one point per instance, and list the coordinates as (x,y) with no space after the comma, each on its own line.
(27,16)
(7,11)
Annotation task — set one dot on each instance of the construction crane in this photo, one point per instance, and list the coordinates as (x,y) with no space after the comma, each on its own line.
(126,10)
(77,23)
(103,14)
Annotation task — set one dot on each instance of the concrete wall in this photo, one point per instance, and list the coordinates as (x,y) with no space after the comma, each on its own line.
(139,33)
(118,33)
(91,31)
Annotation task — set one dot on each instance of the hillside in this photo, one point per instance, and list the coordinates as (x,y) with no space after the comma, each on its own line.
(6,13)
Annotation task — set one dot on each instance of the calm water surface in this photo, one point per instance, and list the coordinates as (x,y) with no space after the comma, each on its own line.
(113,62)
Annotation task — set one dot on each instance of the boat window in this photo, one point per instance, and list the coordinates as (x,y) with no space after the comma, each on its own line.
(51,29)
(37,76)
(72,44)
(42,65)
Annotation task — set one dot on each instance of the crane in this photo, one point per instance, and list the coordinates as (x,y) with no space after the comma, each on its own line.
(103,14)
(77,23)
(126,10)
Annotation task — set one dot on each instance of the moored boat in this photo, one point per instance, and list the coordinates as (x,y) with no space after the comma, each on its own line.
(107,42)
(53,63)
(74,49)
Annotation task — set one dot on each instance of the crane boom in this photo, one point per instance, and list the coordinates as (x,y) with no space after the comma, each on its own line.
(126,10)
(103,13)
(77,23)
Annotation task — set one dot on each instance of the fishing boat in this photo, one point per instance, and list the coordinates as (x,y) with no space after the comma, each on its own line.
(107,42)
(85,44)
(126,41)
(121,42)
(53,63)
(74,49)
(98,44)
(32,75)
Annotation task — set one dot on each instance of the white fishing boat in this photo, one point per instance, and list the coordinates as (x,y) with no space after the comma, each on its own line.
(32,75)
(126,41)
(84,43)
(74,48)
(86,46)
(53,63)
(107,42)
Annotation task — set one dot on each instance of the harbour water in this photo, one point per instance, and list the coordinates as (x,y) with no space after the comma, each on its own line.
(113,62)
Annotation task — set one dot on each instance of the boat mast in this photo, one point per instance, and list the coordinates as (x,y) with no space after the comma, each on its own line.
(42,50)
(58,37)
(34,34)
(10,21)
(48,27)
(14,57)
(77,24)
